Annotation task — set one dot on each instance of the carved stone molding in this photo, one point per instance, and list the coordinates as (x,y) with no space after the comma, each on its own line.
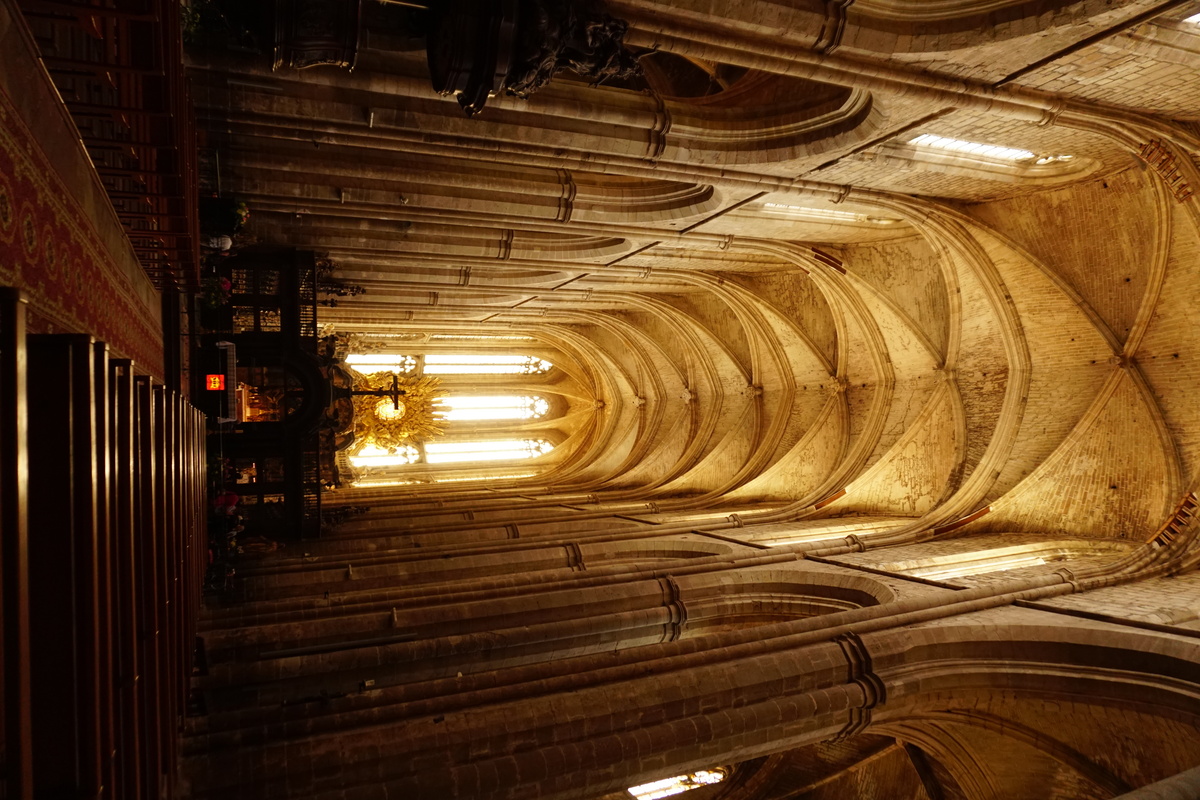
(835,25)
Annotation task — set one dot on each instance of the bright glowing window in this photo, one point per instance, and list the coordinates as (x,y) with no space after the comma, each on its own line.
(978,568)
(380,482)
(484,364)
(1194,19)
(510,411)
(488,450)
(832,215)
(496,407)
(476,337)
(368,363)
(452,452)
(677,785)
(986,150)
(375,456)
(450,364)
(489,478)
(367,482)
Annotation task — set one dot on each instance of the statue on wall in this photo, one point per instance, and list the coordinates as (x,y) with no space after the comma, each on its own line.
(517,46)
(579,36)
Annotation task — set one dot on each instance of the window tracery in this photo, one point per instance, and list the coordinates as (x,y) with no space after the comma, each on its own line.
(678,784)
(388,481)
(375,456)
(991,151)
(485,364)
(501,411)
(370,363)
(472,337)
(450,364)
(487,408)
(451,452)
(443,452)
(828,214)
(980,160)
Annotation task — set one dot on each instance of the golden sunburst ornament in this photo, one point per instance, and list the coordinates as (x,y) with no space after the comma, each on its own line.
(390,422)
(390,409)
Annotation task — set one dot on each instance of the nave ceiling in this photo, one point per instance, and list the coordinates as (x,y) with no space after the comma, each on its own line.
(776,321)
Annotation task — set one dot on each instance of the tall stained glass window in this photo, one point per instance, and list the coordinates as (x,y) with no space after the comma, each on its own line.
(450,364)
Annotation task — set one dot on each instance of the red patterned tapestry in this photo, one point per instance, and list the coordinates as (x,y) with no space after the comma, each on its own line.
(49,248)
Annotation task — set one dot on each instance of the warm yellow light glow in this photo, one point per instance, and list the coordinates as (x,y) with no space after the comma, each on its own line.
(371,363)
(832,215)
(677,785)
(494,407)
(484,478)
(829,529)
(484,364)
(476,337)
(495,450)
(451,364)
(452,452)
(993,151)
(474,358)
(390,409)
(375,456)
(972,148)
(367,482)
(977,567)
(711,515)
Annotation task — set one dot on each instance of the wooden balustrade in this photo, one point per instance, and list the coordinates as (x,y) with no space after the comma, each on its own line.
(16,762)
(107,469)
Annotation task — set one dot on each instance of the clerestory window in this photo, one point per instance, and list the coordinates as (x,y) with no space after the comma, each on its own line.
(943,573)
(482,408)
(992,151)
(450,364)
(827,214)
(443,452)
(981,160)
(668,787)
(451,452)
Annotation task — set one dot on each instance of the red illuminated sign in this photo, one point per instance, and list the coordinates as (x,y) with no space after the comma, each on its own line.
(216,383)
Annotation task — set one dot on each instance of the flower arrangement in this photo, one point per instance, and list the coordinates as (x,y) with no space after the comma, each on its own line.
(241,213)
(217,291)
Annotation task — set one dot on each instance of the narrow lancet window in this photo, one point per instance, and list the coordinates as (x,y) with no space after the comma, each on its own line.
(827,214)
(480,364)
(450,364)
(485,408)
(992,151)
(441,452)
(677,785)
(941,573)
(375,456)
(368,363)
